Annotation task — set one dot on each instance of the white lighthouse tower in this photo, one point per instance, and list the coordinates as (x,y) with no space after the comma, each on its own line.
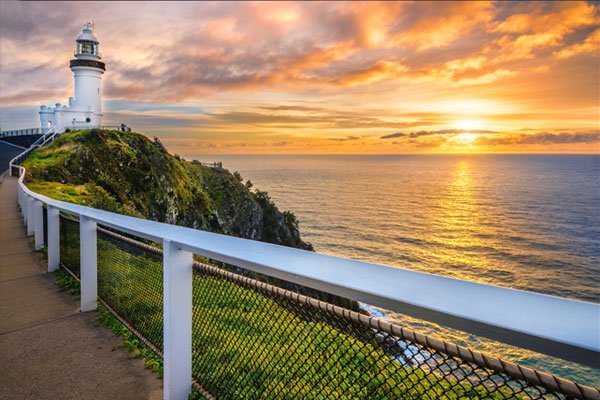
(85,109)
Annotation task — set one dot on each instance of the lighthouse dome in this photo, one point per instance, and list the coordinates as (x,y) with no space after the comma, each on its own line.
(88,46)
(87,35)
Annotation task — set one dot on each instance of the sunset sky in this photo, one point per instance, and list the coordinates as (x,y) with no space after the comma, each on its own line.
(320,77)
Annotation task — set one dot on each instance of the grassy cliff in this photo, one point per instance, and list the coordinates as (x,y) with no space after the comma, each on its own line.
(125,172)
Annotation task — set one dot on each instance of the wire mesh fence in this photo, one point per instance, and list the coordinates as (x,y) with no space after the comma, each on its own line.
(253,340)
(130,281)
(69,244)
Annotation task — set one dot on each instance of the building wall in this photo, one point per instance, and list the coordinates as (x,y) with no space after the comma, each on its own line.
(63,117)
(87,89)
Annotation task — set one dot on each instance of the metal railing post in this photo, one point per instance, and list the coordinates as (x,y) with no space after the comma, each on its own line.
(177,309)
(88,268)
(30,216)
(53,239)
(38,210)
(19,197)
(24,208)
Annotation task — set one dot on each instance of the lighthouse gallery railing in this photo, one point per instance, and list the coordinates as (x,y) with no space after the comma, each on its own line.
(238,337)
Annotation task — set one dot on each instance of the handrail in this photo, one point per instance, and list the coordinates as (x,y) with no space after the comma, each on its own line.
(21,132)
(45,139)
(552,325)
(568,321)
(216,164)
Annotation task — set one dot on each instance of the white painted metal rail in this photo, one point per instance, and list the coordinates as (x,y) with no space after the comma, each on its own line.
(566,328)
(21,132)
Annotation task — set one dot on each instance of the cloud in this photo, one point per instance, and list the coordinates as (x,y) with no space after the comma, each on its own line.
(313,68)
(537,28)
(287,45)
(345,139)
(413,135)
(541,138)
(425,144)
(323,119)
(381,70)
(150,107)
(393,135)
(27,96)
(433,25)
(589,45)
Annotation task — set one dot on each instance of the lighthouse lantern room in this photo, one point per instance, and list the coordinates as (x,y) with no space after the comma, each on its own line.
(85,108)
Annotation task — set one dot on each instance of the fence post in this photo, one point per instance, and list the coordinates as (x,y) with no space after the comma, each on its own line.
(88,268)
(24,208)
(53,239)
(177,310)
(38,211)
(19,197)
(30,216)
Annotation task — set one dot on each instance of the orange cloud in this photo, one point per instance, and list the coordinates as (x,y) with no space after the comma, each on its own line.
(382,70)
(589,45)
(540,28)
(342,69)
(558,18)
(437,24)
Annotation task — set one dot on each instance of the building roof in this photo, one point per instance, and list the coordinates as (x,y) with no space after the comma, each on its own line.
(87,35)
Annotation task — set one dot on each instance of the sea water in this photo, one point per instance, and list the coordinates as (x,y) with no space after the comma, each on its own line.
(529,222)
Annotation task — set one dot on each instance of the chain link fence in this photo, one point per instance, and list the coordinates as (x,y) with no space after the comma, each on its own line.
(254,340)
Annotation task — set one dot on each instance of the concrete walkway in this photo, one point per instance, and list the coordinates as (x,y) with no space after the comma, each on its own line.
(48,349)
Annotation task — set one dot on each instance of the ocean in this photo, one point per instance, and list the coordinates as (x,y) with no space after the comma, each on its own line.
(529,222)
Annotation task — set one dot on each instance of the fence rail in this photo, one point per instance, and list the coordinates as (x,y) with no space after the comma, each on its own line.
(21,132)
(291,335)
(241,338)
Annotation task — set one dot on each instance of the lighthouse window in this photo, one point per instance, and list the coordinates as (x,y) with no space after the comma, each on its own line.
(86,47)
(88,120)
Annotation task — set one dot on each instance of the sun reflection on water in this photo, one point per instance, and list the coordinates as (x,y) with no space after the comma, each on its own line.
(461,223)
(526,222)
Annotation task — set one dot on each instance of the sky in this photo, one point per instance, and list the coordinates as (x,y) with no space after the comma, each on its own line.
(320,77)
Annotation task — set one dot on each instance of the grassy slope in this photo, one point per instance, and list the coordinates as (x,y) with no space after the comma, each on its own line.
(246,343)
(125,172)
(277,353)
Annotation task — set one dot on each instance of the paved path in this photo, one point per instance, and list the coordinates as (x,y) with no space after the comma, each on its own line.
(8,152)
(48,349)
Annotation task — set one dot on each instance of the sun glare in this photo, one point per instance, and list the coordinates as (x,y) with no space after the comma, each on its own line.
(469,124)
(465,138)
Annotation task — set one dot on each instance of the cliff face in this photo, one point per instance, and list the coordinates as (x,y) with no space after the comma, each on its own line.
(126,172)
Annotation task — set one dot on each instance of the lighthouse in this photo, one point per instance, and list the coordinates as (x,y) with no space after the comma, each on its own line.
(85,108)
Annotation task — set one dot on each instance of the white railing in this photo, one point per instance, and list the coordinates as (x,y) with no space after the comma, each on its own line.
(560,327)
(216,164)
(21,132)
(46,138)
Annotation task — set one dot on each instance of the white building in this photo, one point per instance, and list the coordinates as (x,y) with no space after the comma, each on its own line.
(85,108)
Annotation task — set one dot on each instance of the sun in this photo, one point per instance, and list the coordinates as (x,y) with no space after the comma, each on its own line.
(469,124)
(465,138)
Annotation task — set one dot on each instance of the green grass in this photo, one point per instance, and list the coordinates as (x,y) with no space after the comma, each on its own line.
(127,173)
(152,361)
(243,340)
(46,158)
(77,194)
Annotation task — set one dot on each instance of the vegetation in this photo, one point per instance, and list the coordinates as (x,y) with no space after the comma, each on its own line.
(245,342)
(152,361)
(125,172)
